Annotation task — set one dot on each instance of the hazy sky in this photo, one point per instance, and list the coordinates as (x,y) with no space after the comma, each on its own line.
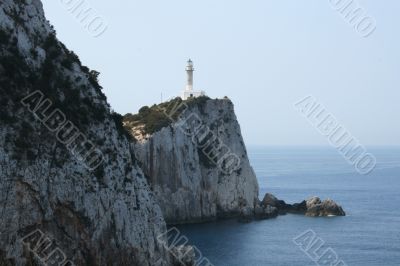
(264,55)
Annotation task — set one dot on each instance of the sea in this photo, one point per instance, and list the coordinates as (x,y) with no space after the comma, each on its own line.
(368,236)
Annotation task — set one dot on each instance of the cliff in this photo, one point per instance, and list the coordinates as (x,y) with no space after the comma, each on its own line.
(71,191)
(194,156)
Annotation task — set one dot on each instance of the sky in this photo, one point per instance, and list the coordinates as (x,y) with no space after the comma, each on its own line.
(264,55)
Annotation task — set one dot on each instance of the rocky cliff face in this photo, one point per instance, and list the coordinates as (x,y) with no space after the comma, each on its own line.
(69,176)
(197,163)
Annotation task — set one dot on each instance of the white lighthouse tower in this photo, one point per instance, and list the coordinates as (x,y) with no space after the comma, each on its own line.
(189,92)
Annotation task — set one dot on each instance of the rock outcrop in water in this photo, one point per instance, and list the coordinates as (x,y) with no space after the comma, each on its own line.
(182,146)
(265,212)
(184,256)
(316,207)
(311,207)
(102,214)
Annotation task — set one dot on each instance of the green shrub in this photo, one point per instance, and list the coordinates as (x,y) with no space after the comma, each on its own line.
(144,110)
(118,120)
(204,160)
(34,53)
(4,37)
(94,79)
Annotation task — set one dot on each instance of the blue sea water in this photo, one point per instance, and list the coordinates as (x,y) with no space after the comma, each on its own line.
(368,236)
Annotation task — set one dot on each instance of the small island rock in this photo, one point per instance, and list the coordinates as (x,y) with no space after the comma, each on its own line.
(325,208)
(312,207)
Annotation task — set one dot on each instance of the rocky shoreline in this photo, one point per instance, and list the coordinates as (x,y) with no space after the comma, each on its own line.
(271,207)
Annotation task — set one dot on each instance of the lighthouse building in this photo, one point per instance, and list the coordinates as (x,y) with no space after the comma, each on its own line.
(189,92)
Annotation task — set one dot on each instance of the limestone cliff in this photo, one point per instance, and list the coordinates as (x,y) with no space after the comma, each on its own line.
(84,195)
(182,147)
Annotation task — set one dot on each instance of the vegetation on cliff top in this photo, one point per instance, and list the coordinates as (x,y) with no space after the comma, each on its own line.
(155,118)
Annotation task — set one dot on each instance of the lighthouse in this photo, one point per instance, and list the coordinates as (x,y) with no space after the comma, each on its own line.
(189,92)
(189,72)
